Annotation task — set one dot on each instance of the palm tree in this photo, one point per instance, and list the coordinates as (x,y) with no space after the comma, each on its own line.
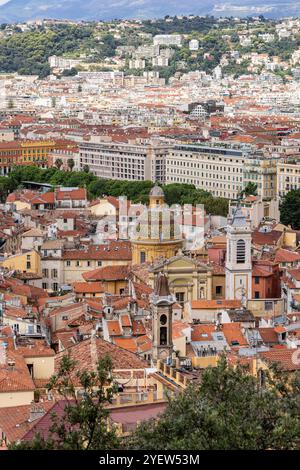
(250,189)
(59,163)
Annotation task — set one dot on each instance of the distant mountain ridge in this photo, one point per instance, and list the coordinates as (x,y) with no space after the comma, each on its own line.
(24,10)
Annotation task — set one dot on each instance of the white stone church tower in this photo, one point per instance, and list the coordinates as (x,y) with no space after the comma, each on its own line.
(238,267)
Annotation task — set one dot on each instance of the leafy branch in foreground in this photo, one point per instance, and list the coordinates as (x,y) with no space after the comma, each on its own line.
(83,423)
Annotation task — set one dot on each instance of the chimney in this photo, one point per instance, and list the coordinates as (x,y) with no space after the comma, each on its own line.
(11,364)
(37,411)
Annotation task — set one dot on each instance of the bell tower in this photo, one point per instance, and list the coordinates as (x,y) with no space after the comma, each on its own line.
(238,267)
(161,302)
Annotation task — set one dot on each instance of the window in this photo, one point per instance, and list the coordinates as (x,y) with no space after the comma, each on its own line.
(268,305)
(45,273)
(30,329)
(256,280)
(218,290)
(28,265)
(68,263)
(55,286)
(256,295)
(180,297)
(163,319)
(30,368)
(163,335)
(142,257)
(240,251)
(99,263)
(64,317)
(77,263)
(45,285)
(54,272)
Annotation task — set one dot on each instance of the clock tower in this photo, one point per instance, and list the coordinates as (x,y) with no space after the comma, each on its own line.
(238,267)
(162,301)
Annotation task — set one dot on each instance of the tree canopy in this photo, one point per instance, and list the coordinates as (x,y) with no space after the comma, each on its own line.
(136,191)
(290,209)
(229,409)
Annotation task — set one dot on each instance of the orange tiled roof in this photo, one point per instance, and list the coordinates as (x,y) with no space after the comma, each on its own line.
(295,273)
(202,332)
(286,256)
(36,348)
(114,328)
(14,420)
(18,378)
(214,304)
(138,328)
(74,195)
(233,333)
(287,359)
(126,343)
(268,335)
(125,320)
(88,287)
(88,352)
(107,273)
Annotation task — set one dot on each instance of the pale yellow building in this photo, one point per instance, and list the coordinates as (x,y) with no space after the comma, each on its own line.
(188,279)
(29,262)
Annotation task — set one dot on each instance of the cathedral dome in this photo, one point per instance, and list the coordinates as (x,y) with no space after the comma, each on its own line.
(157,191)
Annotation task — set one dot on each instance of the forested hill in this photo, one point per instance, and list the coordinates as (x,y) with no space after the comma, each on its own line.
(28,53)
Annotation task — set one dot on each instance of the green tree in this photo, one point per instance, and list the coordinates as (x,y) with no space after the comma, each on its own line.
(229,409)
(86,168)
(71,163)
(290,209)
(6,186)
(84,423)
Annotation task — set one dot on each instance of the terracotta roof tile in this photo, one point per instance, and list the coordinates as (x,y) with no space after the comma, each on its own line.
(14,420)
(88,352)
(215,304)
(16,378)
(107,273)
(114,328)
(88,287)
(287,359)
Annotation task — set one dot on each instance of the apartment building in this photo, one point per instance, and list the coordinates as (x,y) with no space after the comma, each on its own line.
(288,176)
(125,161)
(262,172)
(27,152)
(214,169)
(167,40)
